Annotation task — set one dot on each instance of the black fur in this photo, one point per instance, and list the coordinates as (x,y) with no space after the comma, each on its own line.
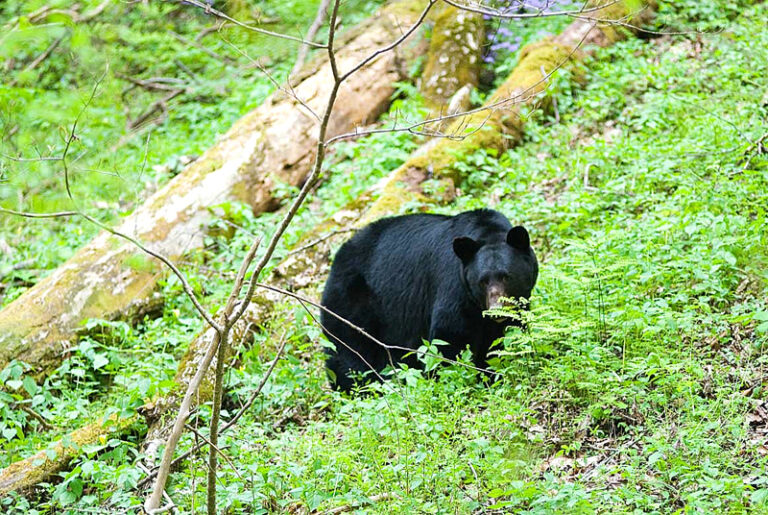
(418,277)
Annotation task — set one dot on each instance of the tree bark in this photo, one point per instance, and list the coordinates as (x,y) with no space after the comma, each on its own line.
(111,279)
(454,59)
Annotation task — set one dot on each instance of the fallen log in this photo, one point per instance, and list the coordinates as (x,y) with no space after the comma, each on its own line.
(305,269)
(24,474)
(454,59)
(111,279)
(298,271)
(458,54)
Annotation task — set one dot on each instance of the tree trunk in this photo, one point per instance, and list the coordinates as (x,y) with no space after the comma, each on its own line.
(110,278)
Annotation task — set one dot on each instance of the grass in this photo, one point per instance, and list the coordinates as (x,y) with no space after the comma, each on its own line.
(640,386)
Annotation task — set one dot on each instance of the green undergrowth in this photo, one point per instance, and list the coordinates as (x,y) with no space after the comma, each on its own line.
(639,386)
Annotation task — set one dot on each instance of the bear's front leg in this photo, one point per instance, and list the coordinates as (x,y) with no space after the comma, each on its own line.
(449,325)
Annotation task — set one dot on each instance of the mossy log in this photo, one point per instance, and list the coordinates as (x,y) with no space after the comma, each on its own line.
(272,145)
(22,475)
(459,48)
(501,127)
(454,58)
(306,269)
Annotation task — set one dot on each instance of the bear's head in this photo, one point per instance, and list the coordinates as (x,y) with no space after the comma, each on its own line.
(498,269)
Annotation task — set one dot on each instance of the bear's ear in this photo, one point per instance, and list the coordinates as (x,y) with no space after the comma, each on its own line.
(465,248)
(518,238)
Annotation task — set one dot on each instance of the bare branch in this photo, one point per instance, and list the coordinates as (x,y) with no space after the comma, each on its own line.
(210,10)
(322,12)
(394,44)
(60,214)
(320,240)
(153,501)
(518,97)
(288,90)
(184,283)
(351,507)
(42,57)
(201,47)
(234,419)
(540,13)
(362,331)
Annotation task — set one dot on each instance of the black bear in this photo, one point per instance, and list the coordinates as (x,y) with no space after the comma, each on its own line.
(419,277)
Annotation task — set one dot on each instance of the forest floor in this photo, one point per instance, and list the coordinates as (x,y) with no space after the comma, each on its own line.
(640,386)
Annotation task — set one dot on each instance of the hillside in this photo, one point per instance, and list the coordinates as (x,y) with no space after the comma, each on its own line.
(639,387)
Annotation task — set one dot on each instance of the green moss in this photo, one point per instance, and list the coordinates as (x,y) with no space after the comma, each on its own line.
(140,262)
(454,55)
(25,474)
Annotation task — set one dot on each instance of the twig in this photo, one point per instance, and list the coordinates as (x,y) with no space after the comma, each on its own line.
(288,89)
(518,97)
(153,501)
(42,57)
(201,47)
(322,13)
(305,300)
(151,84)
(153,107)
(394,44)
(540,13)
(320,240)
(217,449)
(95,12)
(210,10)
(233,420)
(37,416)
(184,283)
(170,505)
(755,148)
(59,214)
(209,30)
(349,507)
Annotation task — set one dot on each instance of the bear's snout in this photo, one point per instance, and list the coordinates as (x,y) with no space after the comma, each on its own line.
(493,295)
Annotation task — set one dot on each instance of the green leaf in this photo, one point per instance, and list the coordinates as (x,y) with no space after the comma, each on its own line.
(30,386)
(760,497)
(9,433)
(99,360)
(14,384)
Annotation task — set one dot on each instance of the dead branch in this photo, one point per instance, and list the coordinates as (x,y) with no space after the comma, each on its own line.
(320,240)
(322,13)
(153,84)
(306,301)
(540,13)
(235,418)
(158,105)
(350,507)
(223,58)
(210,10)
(74,13)
(42,57)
